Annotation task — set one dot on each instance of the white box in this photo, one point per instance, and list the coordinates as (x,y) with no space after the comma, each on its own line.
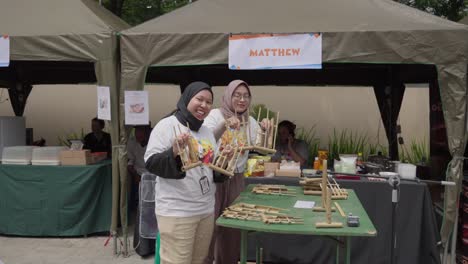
(47,155)
(20,155)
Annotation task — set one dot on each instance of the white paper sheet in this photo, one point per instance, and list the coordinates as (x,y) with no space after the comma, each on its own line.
(103,103)
(304,204)
(4,51)
(136,108)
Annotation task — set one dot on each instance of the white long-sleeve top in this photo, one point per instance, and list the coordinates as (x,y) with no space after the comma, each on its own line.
(194,194)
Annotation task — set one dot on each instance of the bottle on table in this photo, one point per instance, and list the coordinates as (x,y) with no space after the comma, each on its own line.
(359,163)
(316,163)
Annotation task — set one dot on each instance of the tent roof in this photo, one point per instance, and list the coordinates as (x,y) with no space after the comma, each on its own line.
(464,20)
(56,17)
(279,16)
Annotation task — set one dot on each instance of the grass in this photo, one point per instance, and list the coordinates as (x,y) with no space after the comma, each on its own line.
(346,142)
(374,149)
(417,152)
(256,108)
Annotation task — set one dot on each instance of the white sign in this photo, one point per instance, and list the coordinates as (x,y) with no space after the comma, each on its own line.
(275,51)
(304,204)
(4,51)
(136,108)
(103,103)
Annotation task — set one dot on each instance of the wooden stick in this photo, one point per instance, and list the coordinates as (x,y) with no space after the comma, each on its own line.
(258,117)
(328,225)
(267,130)
(276,130)
(247,131)
(342,191)
(271,134)
(180,152)
(328,210)
(340,209)
(324,184)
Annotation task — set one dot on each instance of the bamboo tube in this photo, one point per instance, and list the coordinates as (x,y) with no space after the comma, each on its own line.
(265,138)
(180,151)
(276,130)
(324,184)
(340,209)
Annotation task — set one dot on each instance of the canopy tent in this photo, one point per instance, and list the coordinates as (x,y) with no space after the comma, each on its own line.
(58,42)
(366,42)
(464,20)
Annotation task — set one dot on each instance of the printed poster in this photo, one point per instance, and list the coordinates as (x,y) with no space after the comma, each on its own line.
(136,108)
(4,51)
(103,103)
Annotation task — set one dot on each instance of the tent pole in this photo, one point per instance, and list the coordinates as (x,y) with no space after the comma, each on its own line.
(114,240)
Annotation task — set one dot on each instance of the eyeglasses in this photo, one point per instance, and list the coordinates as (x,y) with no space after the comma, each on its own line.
(237,96)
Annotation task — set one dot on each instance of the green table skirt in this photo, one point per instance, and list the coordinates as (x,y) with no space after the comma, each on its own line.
(55,200)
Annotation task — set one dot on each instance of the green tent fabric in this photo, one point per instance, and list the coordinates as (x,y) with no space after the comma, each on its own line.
(67,31)
(359,31)
(464,20)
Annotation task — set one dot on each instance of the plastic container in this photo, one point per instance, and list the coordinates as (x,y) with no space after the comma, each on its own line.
(387,174)
(407,171)
(348,163)
(19,155)
(337,166)
(47,155)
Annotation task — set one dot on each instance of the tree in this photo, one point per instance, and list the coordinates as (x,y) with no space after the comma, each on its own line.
(135,12)
(450,9)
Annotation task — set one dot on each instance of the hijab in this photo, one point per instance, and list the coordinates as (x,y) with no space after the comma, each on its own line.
(182,113)
(227,108)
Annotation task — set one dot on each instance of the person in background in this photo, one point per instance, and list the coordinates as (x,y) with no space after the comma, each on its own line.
(225,244)
(184,199)
(98,140)
(288,147)
(136,148)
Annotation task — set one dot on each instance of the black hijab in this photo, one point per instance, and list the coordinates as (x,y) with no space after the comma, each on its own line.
(182,113)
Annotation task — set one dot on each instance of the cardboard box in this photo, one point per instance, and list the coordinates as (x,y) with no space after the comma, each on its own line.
(76,157)
(98,156)
(288,173)
(271,167)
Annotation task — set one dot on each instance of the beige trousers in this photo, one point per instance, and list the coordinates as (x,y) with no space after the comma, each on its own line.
(185,240)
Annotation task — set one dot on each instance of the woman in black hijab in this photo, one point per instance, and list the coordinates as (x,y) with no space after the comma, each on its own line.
(184,199)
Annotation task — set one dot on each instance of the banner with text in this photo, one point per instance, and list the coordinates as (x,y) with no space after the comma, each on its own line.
(275,51)
(4,51)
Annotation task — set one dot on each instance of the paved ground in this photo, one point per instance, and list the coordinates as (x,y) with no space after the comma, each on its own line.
(90,250)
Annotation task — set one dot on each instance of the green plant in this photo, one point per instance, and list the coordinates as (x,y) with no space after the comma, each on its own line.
(65,140)
(374,149)
(346,142)
(256,108)
(309,137)
(417,152)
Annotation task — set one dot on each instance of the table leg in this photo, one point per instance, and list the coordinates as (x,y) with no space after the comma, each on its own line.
(243,249)
(258,255)
(348,250)
(337,252)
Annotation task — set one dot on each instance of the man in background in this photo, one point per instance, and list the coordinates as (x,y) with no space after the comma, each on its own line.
(98,140)
(136,148)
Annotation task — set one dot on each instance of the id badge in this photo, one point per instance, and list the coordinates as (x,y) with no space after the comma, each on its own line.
(204,185)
